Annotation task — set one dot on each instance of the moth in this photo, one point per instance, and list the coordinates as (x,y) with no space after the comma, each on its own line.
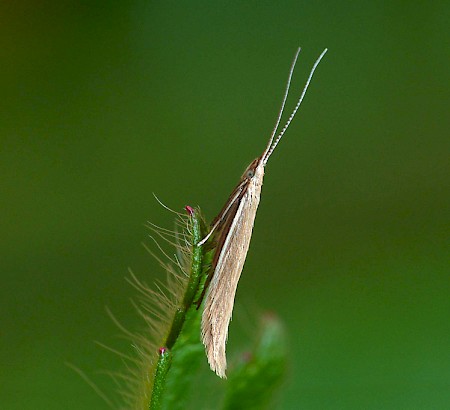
(233,227)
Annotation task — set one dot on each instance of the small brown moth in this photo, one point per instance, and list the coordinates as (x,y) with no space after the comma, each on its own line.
(234,225)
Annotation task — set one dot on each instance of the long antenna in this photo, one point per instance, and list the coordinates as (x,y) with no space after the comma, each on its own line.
(280,114)
(272,145)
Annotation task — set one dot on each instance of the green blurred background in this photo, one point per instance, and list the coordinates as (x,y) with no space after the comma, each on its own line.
(103,103)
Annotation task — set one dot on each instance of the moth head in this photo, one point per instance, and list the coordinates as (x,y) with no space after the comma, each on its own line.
(250,171)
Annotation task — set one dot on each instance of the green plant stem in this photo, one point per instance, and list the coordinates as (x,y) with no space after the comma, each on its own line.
(193,282)
(179,318)
(197,257)
(162,367)
(175,328)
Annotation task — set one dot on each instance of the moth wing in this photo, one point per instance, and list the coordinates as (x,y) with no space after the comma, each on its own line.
(219,299)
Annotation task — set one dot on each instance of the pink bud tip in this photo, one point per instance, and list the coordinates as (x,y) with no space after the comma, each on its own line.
(162,350)
(189,210)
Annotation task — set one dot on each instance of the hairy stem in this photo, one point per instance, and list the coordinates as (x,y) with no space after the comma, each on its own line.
(185,305)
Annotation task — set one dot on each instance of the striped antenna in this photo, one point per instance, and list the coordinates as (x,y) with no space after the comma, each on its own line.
(272,144)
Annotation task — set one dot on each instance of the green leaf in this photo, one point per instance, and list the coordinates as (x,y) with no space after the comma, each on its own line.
(252,384)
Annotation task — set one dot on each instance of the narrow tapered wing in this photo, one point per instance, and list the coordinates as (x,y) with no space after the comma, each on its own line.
(222,223)
(228,263)
(234,198)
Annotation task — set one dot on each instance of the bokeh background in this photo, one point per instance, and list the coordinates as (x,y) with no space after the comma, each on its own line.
(103,103)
